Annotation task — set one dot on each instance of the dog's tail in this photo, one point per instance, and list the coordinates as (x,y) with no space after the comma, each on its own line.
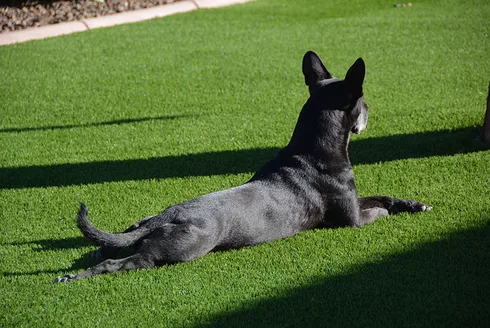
(106,239)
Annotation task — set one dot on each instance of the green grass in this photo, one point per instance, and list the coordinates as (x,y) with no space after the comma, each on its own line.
(134,118)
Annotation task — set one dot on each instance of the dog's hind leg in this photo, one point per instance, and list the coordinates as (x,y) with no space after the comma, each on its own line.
(133,262)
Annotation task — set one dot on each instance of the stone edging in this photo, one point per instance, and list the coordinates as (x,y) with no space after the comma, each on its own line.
(43,32)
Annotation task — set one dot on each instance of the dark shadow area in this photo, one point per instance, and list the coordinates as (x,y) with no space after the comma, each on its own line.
(114,122)
(55,245)
(415,145)
(440,284)
(83,262)
(363,151)
(226,162)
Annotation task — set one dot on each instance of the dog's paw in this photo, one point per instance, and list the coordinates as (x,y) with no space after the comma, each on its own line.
(65,278)
(414,206)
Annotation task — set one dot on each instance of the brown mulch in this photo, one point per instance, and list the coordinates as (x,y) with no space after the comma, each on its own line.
(21,14)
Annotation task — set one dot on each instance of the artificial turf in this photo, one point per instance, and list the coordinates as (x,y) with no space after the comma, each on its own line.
(134,118)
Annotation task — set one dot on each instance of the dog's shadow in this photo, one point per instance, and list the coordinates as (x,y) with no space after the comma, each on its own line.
(85,261)
(47,245)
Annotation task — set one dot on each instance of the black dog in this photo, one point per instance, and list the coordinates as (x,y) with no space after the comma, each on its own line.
(309,184)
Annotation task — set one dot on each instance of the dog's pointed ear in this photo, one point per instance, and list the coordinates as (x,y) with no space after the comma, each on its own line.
(313,69)
(355,75)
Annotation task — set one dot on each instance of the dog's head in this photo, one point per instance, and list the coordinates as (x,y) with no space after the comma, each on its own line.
(336,94)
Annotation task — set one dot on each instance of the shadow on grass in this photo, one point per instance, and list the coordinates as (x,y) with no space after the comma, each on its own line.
(55,244)
(363,151)
(440,284)
(44,245)
(115,122)
(85,261)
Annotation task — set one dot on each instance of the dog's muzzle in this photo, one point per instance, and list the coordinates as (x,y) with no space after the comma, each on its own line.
(361,123)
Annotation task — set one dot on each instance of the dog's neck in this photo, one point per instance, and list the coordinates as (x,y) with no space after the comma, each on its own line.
(322,134)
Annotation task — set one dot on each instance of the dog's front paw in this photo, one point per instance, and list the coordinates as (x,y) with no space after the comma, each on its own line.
(65,278)
(414,206)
